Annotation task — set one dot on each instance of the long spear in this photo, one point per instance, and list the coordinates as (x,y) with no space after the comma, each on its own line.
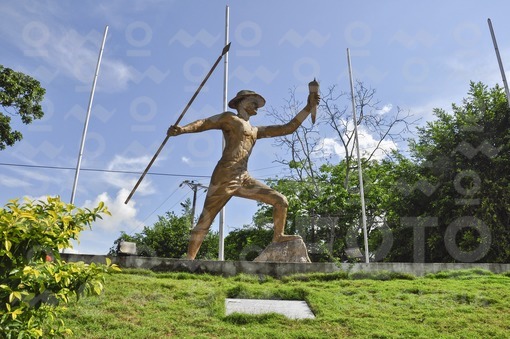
(223,52)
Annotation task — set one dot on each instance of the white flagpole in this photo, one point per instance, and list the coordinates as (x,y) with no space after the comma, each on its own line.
(221,245)
(85,127)
(361,191)
(501,69)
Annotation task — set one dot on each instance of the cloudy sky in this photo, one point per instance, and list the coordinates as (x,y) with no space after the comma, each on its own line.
(417,55)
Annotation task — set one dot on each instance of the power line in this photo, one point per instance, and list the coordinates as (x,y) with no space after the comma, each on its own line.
(122,171)
(104,170)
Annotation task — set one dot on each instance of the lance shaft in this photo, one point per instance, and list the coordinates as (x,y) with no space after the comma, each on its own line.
(223,52)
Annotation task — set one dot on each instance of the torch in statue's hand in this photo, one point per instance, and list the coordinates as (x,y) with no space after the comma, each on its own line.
(313,87)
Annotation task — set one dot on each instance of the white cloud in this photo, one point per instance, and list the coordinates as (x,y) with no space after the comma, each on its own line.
(123,215)
(128,181)
(385,109)
(104,231)
(76,56)
(38,32)
(333,147)
(11,182)
(32,181)
(368,144)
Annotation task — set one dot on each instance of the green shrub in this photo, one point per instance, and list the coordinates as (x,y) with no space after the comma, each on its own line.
(34,282)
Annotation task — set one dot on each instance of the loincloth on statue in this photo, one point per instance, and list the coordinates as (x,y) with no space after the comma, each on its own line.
(228,184)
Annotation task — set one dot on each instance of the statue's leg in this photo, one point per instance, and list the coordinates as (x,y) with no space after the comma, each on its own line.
(255,190)
(213,204)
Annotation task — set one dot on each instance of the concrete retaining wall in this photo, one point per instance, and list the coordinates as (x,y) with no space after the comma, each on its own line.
(231,268)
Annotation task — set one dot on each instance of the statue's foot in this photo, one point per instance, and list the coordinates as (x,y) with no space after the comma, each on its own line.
(286,237)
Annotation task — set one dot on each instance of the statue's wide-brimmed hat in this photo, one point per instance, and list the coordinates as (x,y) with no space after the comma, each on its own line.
(245,94)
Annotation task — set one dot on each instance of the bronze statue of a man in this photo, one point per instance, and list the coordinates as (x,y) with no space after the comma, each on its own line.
(230,176)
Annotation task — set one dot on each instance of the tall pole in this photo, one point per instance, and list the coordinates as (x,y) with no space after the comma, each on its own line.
(85,127)
(361,191)
(221,227)
(501,69)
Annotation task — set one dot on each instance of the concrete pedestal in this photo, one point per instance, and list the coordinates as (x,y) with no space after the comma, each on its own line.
(289,251)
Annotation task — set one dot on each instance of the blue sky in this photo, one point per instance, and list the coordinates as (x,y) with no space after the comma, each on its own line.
(417,55)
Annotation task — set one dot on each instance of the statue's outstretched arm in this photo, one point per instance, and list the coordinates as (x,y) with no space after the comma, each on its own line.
(214,122)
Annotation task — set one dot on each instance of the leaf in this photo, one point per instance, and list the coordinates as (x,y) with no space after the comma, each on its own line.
(8,245)
(98,288)
(16,312)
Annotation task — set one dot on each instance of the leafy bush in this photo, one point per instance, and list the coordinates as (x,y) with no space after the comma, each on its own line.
(34,282)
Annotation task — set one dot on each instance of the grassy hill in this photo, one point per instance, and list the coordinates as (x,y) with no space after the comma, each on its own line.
(143,304)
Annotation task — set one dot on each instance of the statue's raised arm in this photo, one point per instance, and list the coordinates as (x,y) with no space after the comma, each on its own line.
(292,125)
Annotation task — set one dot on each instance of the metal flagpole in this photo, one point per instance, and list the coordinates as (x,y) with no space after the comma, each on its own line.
(85,127)
(361,191)
(499,61)
(221,245)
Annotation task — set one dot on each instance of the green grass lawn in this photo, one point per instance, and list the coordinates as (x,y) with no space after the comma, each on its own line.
(143,304)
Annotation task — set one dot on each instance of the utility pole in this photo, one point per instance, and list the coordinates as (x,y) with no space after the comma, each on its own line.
(194,187)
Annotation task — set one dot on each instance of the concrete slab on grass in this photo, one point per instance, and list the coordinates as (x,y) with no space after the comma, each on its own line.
(293,309)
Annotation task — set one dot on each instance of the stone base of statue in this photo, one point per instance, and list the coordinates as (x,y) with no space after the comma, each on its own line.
(288,251)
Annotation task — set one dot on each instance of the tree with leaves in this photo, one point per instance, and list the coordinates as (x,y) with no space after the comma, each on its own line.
(35,283)
(320,191)
(335,231)
(20,95)
(452,203)
(169,237)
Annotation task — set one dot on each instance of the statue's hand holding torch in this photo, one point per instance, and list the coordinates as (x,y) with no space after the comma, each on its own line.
(313,87)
